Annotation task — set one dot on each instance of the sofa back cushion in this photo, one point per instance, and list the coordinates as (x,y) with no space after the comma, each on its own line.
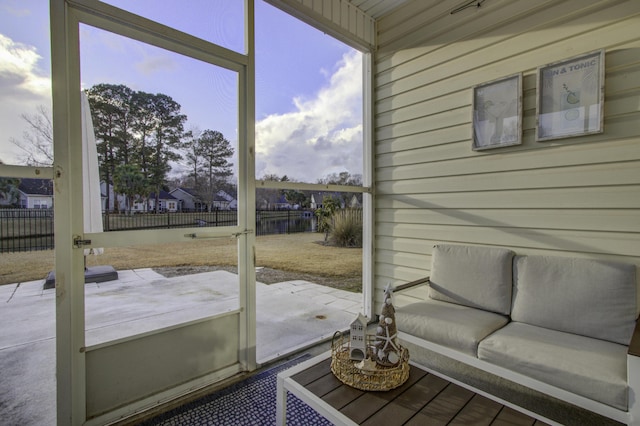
(475,276)
(591,298)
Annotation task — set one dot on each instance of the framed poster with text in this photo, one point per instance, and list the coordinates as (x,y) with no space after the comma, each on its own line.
(570,98)
(497,113)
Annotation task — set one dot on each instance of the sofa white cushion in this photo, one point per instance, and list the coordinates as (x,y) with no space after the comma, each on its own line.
(592,298)
(455,326)
(593,368)
(476,276)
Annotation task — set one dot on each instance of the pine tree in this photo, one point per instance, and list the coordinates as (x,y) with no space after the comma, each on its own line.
(387,346)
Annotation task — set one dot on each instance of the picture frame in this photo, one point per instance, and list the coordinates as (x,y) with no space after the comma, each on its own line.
(497,113)
(570,97)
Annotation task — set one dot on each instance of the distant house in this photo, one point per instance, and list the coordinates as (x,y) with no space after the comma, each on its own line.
(318,199)
(229,200)
(224,201)
(188,199)
(35,193)
(282,204)
(354,202)
(166,203)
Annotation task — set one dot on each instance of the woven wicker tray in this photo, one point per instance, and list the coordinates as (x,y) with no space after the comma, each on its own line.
(380,379)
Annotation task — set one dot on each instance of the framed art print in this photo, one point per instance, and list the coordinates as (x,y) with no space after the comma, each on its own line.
(570,99)
(497,113)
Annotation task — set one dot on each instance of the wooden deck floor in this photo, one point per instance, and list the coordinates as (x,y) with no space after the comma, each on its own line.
(425,400)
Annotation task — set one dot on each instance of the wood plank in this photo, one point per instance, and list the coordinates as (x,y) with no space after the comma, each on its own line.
(443,408)
(480,411)
(402,408)
(324,384)
(313,373)
(342,396)
(510,417)
(368,404)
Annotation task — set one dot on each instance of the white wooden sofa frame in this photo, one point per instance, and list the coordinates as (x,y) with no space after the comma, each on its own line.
(630,417)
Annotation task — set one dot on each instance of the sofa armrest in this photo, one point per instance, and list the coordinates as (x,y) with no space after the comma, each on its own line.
(633,376)
(634,345)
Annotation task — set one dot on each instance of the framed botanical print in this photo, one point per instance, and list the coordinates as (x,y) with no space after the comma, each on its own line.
(497,113)
(570,99)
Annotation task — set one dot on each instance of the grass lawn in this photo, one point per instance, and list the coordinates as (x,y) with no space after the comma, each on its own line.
(294,256)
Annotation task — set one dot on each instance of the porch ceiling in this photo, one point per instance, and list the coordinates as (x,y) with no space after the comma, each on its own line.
(377,8)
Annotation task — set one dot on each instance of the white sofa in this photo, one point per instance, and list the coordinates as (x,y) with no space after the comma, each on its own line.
(560,326)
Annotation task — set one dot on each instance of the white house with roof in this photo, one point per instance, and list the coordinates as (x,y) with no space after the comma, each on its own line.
(35,193)
(166,203)
(224,201)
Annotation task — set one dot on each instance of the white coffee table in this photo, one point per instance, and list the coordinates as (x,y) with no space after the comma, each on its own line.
(425,396)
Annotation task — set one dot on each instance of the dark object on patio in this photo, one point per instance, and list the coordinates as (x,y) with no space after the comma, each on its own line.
(93,274)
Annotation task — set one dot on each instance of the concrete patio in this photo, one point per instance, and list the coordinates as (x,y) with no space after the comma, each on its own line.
(290,315)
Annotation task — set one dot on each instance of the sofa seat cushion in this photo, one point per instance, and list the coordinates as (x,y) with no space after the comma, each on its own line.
(593,298)
(475,276)
(593,368)
(455,326)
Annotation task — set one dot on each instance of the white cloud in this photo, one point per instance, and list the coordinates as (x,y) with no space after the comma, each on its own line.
(322,135)
(23,87)
(155,63)
(19,68)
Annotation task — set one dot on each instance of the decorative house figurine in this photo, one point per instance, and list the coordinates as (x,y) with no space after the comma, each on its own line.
(387,348)
(358,341)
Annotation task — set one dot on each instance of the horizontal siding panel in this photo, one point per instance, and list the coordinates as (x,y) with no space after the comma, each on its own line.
(563,156)
(406,245)
(445,119)
(514,40)
(410,29)
(567,177)
(441,80)
(421,140)
(424,108)
(412,260)
(622,79)
(575,241)
(621,92)
(623,197)
(443,29)
(609,220)
(433,38)
(387,273)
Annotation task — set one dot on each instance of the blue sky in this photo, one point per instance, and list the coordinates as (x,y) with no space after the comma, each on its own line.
(308,85)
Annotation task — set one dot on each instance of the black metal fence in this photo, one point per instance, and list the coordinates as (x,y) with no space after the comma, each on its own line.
(32,229)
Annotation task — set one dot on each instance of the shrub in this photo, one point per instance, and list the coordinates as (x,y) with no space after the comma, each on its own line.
(346,229)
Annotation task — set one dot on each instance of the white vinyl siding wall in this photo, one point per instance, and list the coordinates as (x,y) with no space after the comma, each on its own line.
(568,197)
